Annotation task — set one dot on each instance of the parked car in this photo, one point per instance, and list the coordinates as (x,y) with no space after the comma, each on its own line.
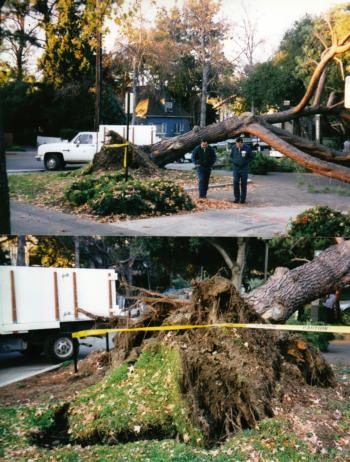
(186,157)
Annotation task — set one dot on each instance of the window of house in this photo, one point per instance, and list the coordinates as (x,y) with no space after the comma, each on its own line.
(168,106)
(179,127)
(161,129)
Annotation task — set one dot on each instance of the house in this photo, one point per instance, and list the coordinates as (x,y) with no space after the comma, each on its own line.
(168,116)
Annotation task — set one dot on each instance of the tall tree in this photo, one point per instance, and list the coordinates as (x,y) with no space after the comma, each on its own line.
(133,47)
(68,56)
(19,34)
(205,35)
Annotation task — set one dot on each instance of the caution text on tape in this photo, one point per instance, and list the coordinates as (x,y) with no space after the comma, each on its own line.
(282,327)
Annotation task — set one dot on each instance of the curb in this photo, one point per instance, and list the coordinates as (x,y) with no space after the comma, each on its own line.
(212,186)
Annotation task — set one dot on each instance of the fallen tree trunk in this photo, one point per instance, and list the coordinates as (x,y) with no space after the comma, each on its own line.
(288,290)
(317,158)
(169,150)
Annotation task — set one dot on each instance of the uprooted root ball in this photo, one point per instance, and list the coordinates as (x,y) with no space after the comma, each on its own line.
(199,386)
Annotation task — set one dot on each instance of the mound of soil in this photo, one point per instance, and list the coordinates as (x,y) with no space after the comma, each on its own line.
(229,376)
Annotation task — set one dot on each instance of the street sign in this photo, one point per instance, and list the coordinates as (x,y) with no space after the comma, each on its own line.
(347,92)
(131,107)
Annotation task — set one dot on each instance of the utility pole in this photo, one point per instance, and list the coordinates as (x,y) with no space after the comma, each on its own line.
(98,66)
(127,135)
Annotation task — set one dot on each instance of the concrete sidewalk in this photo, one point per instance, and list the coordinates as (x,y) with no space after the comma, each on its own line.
(250,222)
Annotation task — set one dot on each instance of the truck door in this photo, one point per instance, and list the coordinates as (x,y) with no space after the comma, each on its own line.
(82,148)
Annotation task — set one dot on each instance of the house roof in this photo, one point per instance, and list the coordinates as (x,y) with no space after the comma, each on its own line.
(149,106)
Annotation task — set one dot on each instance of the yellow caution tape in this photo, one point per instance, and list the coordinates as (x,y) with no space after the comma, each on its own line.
(296,328)
(123,145)
(125,161)
(116,145)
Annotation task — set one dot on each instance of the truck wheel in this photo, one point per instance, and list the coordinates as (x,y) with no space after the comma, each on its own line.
(60,347)
(53,162)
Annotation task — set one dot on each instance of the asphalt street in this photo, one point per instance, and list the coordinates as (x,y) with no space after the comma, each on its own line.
(20,162)
(25,162)
(30,219)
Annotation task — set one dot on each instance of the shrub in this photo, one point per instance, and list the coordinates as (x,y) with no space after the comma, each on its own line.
(261,164)
(284,164)
(109,193)
(321,222)
(313,229)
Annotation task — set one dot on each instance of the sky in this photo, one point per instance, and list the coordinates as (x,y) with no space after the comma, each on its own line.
(274,18)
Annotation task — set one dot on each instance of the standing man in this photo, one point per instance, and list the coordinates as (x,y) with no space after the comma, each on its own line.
(203,157)
(241,155)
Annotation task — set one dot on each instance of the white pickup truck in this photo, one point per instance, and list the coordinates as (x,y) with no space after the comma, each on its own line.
(85,145)
(41,307)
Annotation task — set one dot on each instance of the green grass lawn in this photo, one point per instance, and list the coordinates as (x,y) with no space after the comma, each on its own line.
(293,436)
(273,440)
(39,188)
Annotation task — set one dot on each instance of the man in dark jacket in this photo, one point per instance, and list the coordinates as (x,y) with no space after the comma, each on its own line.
(204,158)
(241,155)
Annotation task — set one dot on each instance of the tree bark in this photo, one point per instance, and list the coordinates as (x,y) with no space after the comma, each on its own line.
(21,251)
(77,251)
(236,265)
(204,96)
(5,223)
(237,273)
(288,290)
(171,149)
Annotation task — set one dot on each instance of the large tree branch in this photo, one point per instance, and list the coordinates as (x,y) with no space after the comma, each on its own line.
(318,94)
(327,56)
(223,252)
(288,290)
(318,166)
(283,116)
(311,147)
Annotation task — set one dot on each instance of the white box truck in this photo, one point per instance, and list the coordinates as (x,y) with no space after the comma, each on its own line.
(40,307)
(85,145)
